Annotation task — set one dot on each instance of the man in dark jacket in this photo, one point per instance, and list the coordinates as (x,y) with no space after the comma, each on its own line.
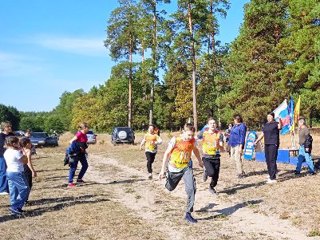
(305,143)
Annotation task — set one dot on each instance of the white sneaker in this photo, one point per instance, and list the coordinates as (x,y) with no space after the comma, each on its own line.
(150,175)
(3,193)
(269,181)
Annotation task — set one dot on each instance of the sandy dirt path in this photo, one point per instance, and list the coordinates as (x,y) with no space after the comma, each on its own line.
(220,217)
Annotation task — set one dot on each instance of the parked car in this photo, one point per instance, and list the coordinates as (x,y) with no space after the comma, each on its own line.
(92,138)
(42,139)
(19,133)
(122,135)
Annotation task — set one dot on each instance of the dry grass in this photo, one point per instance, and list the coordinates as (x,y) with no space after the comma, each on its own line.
(94,212)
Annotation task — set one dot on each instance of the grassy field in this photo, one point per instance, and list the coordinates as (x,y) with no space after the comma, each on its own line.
(117,202)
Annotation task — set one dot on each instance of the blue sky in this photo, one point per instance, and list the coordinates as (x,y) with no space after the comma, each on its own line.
(48,47)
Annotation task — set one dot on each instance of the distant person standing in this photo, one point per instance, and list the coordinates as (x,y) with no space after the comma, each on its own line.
(81,139)
(236,142)
(305,147)
(15,158)
(151,141)
(6,131)
(271,135)
(29,170)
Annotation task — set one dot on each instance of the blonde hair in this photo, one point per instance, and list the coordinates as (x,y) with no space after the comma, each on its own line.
(5,124)
(83,125)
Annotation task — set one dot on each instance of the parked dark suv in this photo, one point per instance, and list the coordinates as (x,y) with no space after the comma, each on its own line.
(122,135)
(42,139)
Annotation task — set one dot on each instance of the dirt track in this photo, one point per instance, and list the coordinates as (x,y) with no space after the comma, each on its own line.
(220,217)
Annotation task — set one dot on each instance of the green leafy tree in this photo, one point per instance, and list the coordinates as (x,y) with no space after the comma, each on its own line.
(300,49)
(122,40)
(66,106)
(10,114)
(253,65)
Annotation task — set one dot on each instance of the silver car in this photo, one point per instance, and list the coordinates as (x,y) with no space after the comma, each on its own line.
(92,138)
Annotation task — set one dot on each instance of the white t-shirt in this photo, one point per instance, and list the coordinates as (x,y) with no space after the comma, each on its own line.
(13,160)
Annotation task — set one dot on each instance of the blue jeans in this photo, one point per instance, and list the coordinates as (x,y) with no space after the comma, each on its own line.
(18,189)
(3,177)
(73,167)
(304,156)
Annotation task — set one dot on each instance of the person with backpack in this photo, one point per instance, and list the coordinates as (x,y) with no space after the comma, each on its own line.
(305,142)
(79,141)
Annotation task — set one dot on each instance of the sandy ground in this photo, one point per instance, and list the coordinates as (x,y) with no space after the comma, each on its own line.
(220,217)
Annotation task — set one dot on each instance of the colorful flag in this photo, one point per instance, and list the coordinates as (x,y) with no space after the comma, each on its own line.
(297,110)
(291,113)
(281,113)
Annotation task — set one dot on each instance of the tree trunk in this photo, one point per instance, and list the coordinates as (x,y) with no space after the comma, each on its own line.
(154,59)
(130,86)
(194,70)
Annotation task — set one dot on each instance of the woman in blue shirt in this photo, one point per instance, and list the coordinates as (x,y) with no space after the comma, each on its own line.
(236,143)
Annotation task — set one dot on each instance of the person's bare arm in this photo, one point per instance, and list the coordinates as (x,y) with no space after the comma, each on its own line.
(73,139)
(259,138)
(165,161)
(197,154)
(142,143)
(29,163)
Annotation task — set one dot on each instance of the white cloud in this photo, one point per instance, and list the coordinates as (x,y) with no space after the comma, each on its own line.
(19,65)
(81,46)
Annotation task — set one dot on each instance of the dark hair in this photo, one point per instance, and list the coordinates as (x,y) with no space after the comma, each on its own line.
(271,114)
(24,141)
(238,118)
(189,127)
(11,140)
(210,118)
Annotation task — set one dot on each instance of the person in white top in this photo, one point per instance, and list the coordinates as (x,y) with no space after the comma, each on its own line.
(15,158)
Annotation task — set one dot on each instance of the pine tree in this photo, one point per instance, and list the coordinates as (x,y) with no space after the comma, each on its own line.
(253,65)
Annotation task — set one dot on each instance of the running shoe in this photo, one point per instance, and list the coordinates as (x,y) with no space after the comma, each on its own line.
(271,181)
(71,185)
(190,219)
(212,191)
(80,181)
(150,176)
(15,211)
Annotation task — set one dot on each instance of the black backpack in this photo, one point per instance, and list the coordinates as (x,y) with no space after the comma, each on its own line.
(308,143)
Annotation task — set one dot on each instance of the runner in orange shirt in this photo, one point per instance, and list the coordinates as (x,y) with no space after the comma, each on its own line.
(211,143)
(176,160)
(151,140)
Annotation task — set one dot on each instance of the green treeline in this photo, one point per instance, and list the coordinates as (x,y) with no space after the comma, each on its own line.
(172,67)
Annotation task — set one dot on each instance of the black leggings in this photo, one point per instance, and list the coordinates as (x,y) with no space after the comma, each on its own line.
(212,166)
(271,152)
(150,159)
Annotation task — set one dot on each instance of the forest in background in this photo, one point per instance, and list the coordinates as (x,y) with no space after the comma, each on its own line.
(172,67)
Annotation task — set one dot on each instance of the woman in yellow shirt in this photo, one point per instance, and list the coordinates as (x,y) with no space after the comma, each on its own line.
(176,159)
(151,140)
